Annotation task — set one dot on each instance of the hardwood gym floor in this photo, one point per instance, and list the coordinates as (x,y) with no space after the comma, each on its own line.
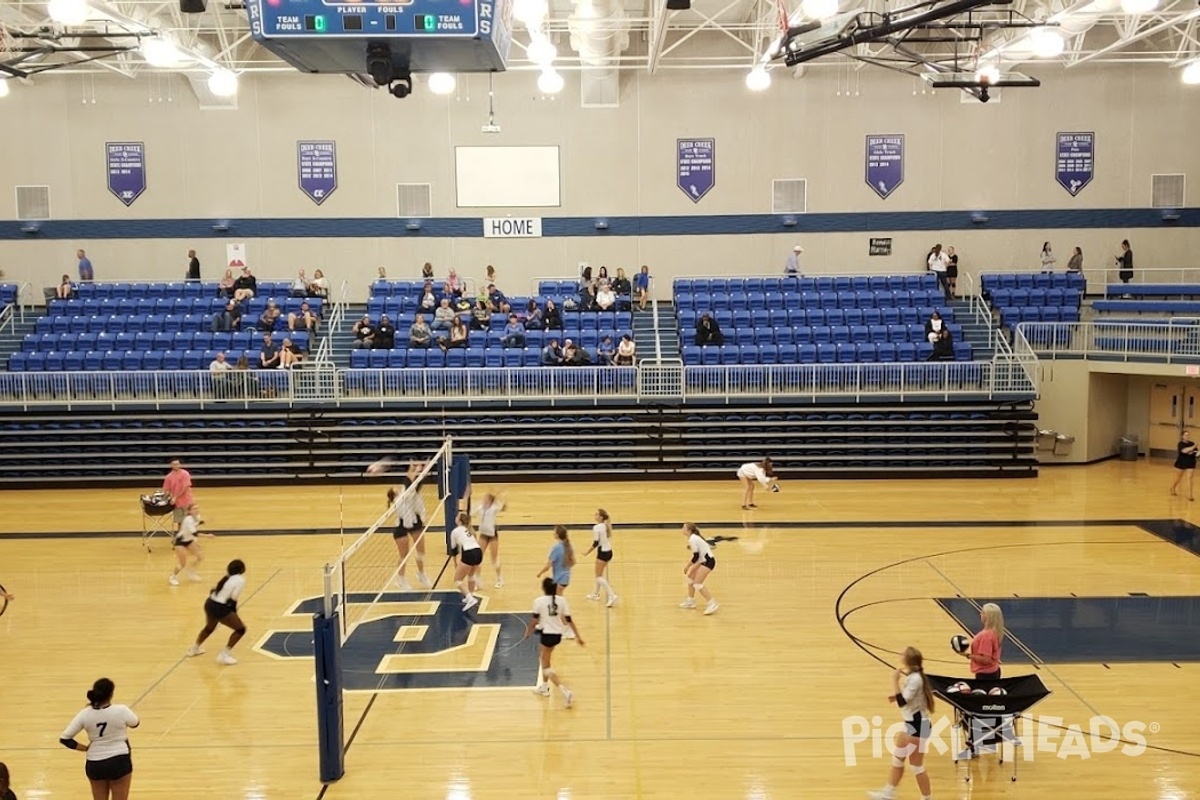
(748,703)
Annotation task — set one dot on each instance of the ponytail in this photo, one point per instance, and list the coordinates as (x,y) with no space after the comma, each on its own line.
(101,693)
(550,588)
(607,522)
(236,567)
(916,663)
(568,551)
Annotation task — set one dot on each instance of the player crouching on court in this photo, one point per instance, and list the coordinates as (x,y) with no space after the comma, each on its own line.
(763,472)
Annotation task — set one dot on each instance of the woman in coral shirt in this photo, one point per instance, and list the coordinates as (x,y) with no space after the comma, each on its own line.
(984,654)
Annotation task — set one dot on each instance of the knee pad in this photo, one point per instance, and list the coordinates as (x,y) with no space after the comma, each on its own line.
(548,673)
(699,586)
(917,769)
(897,761)
(691,582)
(459,584)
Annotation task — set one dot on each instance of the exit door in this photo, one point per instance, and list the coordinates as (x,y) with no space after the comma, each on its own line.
(1173,408)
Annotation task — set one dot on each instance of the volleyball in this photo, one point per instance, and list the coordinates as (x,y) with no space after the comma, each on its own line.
(960,643)
(774,487)
(997,690)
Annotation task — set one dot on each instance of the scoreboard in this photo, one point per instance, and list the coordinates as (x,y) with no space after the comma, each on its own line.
(325,36)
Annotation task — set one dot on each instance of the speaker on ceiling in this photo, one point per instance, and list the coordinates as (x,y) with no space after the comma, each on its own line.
(679,5)
(193,6)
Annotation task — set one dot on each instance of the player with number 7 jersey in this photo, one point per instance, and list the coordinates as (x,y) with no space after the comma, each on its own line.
(109,767)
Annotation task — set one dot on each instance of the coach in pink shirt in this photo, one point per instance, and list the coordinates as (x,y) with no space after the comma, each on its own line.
(178,484)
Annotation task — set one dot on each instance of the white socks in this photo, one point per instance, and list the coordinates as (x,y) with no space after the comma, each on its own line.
(602,583)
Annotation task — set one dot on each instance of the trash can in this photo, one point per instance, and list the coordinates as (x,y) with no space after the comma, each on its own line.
(1063,443)
(1127,448)
(1045,439)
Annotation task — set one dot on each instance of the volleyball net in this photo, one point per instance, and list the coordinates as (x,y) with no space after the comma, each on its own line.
(365,573)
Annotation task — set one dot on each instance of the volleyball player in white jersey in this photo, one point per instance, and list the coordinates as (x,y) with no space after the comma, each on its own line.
(698,568)
(109,767)
(490,505)
(409,532)
(470,556)
(552,620)
(751,473)
(913,694)
(602,544)
(185,542)
(221,609)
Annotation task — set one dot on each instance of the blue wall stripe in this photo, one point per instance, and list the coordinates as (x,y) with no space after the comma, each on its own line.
(723,225)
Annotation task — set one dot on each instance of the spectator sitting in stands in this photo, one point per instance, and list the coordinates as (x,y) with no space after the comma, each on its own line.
(602,275)
(605,299)
(553,317)
(299,287)
(943,346)
(574,356)
(245,286)
(625,351)
(552,355)
(933,325)
(305,317)
(290,355)
(587,297)
(419,334)
(452,287)
(319,286)
(219,365)
(443,316)
(606,353)
(641,283)
(228,320)
(708,332)
(533,316)
(385,334)
(621,284)
(66,289)
(364,333)
(514,332)
(428,300)
(269,357)
(497,302)
(481,317)
(270,318)
(225,285)
(458,335)
(585,278)
(427,272)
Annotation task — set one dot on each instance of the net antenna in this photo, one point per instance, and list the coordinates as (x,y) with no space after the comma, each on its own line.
(363,575)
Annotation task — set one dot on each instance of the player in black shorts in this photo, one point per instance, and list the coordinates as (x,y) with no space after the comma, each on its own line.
(221,609)
(1185,463)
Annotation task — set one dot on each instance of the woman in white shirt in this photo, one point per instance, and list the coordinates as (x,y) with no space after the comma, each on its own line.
(1048,258)
(319,286)
(470,556)
(551,619)
(697,569)
(938,266)
(625,351)
(750,473)
(221,609)
(409,533)
(490,505)
(185,542)
(913,694)
(109,767)
(602,544)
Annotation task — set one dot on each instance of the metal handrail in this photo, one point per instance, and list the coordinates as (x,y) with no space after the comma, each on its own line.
(333,324)
(1167,341)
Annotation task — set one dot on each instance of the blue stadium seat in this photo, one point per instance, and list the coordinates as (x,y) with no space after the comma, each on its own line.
(152,360)
(18,362)
(131,360)
(172,360)
(826,353)
(691,355)
(110,361)
(906,351)
(72,361)
(768,354)
(822,334)
(860,334)
(885,352)
(193,360)
(846,352)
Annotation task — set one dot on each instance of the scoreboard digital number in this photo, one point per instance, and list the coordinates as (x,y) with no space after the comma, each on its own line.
(326,18)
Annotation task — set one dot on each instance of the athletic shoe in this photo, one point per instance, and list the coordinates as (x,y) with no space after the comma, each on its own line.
(499,584)
(612,601)
(195,650)
(711,608)
(226,658)
(569,634)
(593,597)
(543,689)
(403,584)
(173,580)
(886,793)
(568,696)
(688,604)
(424,581)
(471,603)
(192,576)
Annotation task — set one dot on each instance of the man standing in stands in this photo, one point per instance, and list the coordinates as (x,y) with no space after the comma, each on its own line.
(85,265)
(193,273)
(792,268)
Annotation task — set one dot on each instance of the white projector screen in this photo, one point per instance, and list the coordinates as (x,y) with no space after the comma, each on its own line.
(507,177)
